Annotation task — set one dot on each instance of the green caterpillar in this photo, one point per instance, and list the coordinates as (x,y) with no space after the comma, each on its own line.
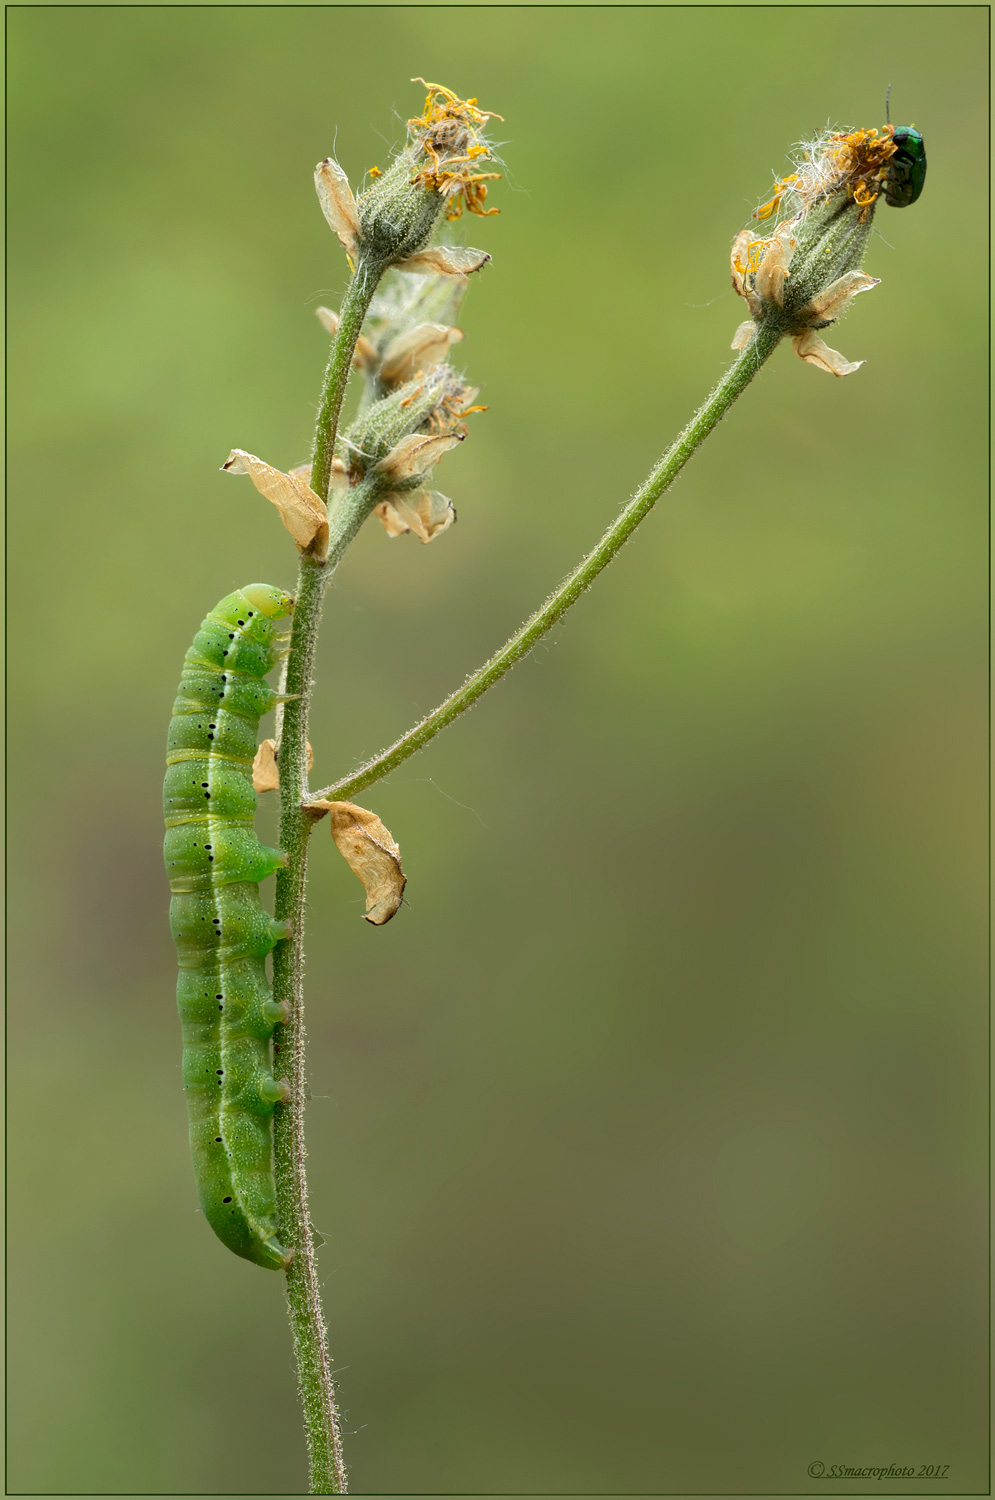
(214,862)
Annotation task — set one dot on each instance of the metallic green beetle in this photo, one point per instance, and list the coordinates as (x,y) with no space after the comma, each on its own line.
(906,171)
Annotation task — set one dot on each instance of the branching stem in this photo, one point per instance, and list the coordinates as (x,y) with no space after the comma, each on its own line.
(296,820)
(713,409)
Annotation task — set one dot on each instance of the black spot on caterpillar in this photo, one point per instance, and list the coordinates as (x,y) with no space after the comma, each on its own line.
(215,862)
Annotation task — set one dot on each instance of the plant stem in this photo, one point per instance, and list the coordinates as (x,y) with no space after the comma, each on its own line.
(734,382)
(355,304)
(314,1370)
(314,1373)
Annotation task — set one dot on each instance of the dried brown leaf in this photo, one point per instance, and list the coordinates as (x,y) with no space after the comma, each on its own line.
(265,774)
(301,511)
(371,854)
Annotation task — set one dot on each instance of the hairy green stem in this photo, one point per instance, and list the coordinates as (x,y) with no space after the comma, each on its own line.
(734,382)
(354,309)
(314,1369)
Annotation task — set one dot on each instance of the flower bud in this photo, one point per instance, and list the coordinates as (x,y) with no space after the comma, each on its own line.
(430,406)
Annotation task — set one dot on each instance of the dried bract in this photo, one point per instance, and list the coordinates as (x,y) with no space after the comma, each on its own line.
(265,775)
(338,204)
(414,456)
(426,513)
(371,854)
(446,260)
(301,510)
(417,350)
(395,440)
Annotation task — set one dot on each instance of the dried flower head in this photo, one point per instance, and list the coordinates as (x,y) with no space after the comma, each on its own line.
(802,273)
(435,175)
(854,163)
(447,132)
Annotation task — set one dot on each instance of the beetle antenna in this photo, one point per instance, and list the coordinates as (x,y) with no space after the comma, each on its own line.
(887,102)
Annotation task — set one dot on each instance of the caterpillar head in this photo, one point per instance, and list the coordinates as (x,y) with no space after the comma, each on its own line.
(271,602)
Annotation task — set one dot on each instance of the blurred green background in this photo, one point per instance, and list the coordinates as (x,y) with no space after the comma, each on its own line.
(648,1141)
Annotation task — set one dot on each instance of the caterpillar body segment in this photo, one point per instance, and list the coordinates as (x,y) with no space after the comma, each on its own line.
(222,933)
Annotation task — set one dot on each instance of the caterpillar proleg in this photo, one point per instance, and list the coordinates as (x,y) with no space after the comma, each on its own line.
(215,862)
